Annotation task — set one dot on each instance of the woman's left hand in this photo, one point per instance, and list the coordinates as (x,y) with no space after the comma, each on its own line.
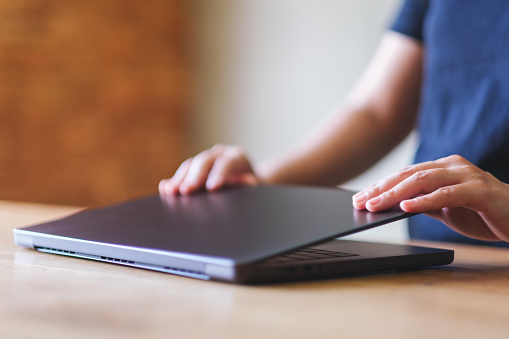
(453,190)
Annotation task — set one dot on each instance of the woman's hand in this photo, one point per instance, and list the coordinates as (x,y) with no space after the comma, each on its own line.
(211,169)
(453,190)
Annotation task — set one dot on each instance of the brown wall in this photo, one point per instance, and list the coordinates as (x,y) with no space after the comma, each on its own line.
(94,97)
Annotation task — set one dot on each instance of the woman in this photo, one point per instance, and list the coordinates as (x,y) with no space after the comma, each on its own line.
(443,67)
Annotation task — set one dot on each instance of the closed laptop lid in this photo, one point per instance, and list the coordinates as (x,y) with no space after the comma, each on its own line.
(240,224)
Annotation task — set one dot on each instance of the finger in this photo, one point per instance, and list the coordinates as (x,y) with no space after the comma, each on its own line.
(468,188)
(422,182)
(247,179)
(171,186)
(466,222)
(166,191)
(198,172)
(232,167)
(449,196)
(389,182)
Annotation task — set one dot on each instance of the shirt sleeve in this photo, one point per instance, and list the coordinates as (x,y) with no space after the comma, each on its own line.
(410,20)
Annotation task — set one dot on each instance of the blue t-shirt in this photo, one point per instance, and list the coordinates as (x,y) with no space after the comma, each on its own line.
(464,106)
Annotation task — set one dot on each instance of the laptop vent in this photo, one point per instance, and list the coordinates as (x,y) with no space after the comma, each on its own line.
(182,271)
(166,269)
(117,260)
(55,250)
(59,251)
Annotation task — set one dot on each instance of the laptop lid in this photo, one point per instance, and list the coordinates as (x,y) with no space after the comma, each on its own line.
(235,226)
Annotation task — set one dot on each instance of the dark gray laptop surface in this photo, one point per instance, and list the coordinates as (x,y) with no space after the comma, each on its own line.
(242,235)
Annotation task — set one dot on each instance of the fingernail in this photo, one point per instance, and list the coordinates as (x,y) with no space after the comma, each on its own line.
(162,185)
(374,201)
(165,187)
(183,188)
(169,188)
(408,203)
(210,185)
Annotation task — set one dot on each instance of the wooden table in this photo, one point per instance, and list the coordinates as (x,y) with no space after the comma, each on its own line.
(50,296)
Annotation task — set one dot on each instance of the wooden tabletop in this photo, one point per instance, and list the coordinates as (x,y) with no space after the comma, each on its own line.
(50,296)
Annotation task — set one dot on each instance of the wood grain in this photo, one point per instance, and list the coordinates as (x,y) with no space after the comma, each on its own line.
(49,296)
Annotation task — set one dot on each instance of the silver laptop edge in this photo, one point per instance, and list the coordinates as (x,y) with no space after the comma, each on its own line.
(195,266)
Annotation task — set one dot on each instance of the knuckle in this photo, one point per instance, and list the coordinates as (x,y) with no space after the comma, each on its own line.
(473,172)
(374,191)
(390,194)
(202,156)
(421,175)
(404,172)
(482,182)
(476,176)
(446,191)
(186,162)
(183,166)
(219,147)
(205,158)
(235,152)
(424,199)
(455,158)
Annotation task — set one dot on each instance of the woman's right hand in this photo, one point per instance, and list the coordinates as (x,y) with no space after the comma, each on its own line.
(211,169)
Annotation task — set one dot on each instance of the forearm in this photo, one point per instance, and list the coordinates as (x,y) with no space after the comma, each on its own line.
(341,147)
(378,114)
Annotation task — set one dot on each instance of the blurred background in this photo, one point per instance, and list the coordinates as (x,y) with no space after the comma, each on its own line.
(100,99)
(94,97)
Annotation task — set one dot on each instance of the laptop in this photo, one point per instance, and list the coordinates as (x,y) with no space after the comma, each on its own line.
(255,234)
